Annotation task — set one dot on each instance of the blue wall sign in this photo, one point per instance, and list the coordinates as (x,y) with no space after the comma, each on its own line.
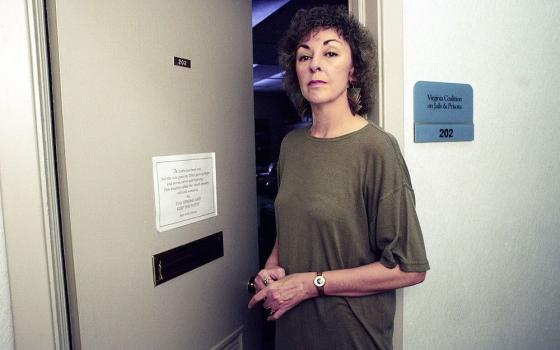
(443,112)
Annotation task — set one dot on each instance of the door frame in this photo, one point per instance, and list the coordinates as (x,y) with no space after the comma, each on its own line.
(34,245)
(38,30)
(384,19)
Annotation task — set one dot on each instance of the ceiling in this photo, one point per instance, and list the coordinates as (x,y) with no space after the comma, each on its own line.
(270,20)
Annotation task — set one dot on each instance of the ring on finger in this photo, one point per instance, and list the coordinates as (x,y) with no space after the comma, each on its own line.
(266,281)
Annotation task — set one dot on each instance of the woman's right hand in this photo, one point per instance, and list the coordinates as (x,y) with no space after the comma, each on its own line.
(268,275)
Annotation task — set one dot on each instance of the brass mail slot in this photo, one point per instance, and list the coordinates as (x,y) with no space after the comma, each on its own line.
(177,261)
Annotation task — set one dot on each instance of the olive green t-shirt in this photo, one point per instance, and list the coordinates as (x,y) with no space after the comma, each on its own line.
(344,202)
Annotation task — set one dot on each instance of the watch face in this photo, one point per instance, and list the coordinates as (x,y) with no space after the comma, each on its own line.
(319,281)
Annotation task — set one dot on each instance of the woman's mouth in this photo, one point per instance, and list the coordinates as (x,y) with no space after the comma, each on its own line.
(316,82)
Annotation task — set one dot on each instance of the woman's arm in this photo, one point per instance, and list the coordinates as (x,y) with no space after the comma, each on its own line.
(373,278)
(368,279)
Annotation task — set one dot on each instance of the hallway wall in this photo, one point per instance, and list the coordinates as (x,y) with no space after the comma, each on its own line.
(12,29)
(26,320)
(489,208)
(6,327)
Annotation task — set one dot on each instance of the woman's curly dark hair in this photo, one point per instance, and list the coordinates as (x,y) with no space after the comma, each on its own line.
(363,50)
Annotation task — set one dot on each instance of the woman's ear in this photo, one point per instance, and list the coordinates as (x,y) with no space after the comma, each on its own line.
(351,77)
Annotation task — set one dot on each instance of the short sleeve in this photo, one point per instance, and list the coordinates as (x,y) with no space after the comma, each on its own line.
(395,233)
(398,236)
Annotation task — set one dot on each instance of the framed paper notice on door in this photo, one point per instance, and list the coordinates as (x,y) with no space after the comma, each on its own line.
(185,189)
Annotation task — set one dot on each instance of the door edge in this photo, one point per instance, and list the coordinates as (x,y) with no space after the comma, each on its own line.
(39,50)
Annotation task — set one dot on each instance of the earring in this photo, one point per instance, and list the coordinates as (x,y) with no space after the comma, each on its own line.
(355,98)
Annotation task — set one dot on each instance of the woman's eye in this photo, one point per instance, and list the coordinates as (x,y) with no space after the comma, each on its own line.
(303,58)
(331,54)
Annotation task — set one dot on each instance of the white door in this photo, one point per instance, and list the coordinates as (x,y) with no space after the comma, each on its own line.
(119,100)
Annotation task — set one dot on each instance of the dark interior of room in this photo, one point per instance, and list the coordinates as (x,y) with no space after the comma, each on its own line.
(274,115)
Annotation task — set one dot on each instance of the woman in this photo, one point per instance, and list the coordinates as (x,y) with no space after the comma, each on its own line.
(347,230)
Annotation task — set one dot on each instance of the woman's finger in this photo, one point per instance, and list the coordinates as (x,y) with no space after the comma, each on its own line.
(266,281)
(277,273)
(257,298)
(262,280)
(267,304)
(259,284)
(269,312)
(276,315)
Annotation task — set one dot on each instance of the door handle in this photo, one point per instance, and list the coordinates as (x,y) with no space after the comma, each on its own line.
(251,287)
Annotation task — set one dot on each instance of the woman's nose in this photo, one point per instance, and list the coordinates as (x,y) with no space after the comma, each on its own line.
(315,64)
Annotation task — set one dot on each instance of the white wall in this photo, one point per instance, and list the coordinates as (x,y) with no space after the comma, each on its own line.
(489,208)
(8,34)
(6,328)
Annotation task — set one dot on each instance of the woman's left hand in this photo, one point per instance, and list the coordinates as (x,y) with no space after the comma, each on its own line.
(282,295)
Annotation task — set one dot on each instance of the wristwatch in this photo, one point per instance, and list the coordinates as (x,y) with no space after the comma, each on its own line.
(319,283)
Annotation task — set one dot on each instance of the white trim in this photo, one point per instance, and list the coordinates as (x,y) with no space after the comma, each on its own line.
(358,9)
(366,12)
(380,62)
(6,323)
(46,151)
(391,79)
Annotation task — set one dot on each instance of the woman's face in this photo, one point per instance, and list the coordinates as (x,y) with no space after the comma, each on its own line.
(324,67)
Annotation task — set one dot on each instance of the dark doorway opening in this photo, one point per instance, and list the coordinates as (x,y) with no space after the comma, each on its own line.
(274,115)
